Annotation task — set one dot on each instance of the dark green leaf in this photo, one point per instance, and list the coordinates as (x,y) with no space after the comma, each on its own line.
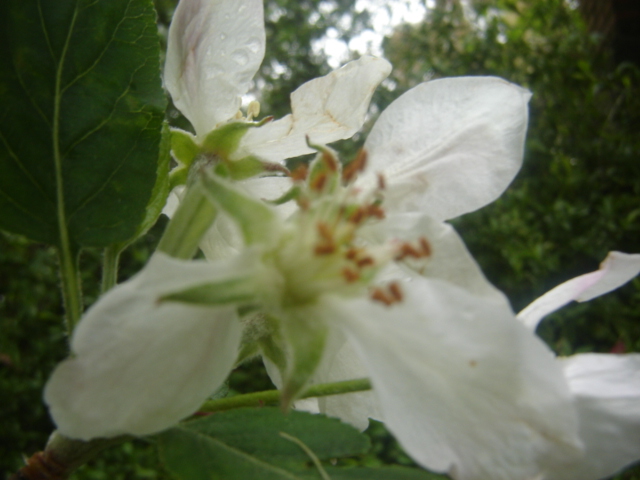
(379,473)
(81,109)
(246,443)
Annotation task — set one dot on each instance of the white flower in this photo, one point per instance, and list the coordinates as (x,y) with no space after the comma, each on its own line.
(605,387)
(216,47)
(464,387)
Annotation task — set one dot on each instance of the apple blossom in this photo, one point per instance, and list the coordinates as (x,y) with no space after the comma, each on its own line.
(214,50)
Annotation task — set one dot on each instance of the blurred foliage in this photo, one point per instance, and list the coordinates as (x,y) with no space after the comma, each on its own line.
(575,199)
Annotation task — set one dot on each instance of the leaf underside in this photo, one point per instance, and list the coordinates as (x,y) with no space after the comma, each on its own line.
(81,110)
(246,443)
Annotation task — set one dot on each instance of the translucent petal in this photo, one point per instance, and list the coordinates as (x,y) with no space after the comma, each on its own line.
(326,109)
(607,395)
(140,366)
(449,260)
(616,270)
(215,48)
(465,388)
(449,146)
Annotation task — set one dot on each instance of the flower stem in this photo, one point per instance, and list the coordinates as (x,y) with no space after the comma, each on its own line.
(70,286)
(272,397)
(110,260)
(191,220)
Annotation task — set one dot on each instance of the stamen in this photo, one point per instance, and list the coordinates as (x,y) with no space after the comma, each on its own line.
(319,182)
(425,246)
(330,161)
(352,253)
(365,262)
(299,174)
(378,295)
(396,292)
(325,232)
(375,210)
(357,165)
(350,275)
(357,216)
(325,249)
(382,184)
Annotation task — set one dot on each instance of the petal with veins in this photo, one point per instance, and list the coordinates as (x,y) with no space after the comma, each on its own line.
(607,396)
(464,388)
(616,270)
(140,366)
(215,48)
(450,146)
(327,109)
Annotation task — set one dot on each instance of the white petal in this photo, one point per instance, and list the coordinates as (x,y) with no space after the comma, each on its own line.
(607,392)
(616,270)
(449,260)
(465,388)
(140,366)
(326,109)
(352,408)
(450,146)
(215,48)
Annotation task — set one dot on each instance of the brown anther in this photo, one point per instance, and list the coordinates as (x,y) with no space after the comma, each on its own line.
(374,210)
(382,183)
(358,164)
(352,253)
(299,174)
(379,295)
(408,250)
(325,232)
(330,161)
(325,249)
(357,216)
(395,291)
(425,247)
(350,275)
(365,262)
(319,182)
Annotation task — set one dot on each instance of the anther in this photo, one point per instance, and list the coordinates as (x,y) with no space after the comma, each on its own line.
(325,249)
(425,247)
(378,295)
(330,161)
(395,291)
(299,174)
(357,216)
(382,184)
(365,262)
(374,210)
(350,275)
(357,165)
(325,232)
(319,182)
(352,253)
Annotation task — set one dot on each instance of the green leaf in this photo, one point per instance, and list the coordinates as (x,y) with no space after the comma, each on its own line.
(246,443)
(378,473)
(81,110)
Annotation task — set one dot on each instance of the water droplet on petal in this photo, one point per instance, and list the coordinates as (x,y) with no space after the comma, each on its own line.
(223,36)
(254,45)
(241,58)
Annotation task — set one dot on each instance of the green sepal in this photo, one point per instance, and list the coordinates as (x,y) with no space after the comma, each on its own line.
(184,146)
(291,194)
(257,221)
(223,141)
(246,167)
(237,290)
(178,176)
(306,341)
